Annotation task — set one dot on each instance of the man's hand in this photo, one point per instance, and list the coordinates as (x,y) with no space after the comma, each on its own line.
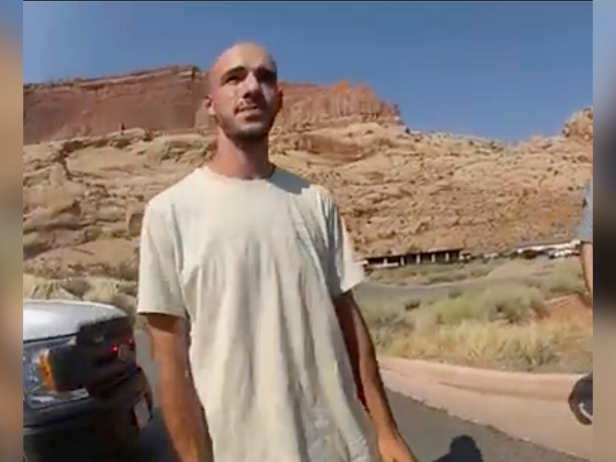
(393,448)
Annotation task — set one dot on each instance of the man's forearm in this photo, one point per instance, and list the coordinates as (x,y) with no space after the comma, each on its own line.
(184,419)
(587,265)
(364,363)
(371,381)
(183,416)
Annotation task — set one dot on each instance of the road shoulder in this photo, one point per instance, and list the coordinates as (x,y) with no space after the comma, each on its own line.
(545,422)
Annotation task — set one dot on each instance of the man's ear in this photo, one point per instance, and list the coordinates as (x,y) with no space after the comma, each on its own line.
(208,105)
(280,100)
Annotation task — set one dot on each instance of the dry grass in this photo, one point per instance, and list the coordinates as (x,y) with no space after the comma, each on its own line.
(559,277)
(552,277)
(530,347)
(119,293)
(432,273)
(501,327)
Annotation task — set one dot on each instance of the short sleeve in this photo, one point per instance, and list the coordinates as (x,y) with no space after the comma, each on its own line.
(159,288)
(344,273)
(585,227)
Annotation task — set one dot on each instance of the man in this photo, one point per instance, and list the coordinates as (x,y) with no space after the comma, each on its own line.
(581,398)
(258,263)
(585,234)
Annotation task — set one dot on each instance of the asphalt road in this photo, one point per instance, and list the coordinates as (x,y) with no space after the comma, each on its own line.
(433,435)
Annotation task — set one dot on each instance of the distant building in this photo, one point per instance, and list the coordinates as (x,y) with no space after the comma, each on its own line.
(417,258)
(560,249)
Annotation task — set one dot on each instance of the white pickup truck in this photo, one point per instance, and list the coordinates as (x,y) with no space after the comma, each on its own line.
(84,394)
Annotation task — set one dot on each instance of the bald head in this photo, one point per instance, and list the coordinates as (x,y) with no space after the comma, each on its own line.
(243,94)
(242,54)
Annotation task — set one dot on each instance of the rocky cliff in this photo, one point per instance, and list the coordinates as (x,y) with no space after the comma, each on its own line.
(398,190)
(169,99)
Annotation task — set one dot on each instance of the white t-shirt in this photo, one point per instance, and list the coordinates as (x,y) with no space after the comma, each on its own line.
(254,265)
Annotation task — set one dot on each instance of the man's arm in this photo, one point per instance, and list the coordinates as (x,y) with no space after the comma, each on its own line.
(161,301)
(343,274)
(585,234)
(368,378)
(587,265)
(182,412)
(364,362)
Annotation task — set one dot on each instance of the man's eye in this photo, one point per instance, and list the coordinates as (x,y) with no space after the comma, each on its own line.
(233,78)
(267,76)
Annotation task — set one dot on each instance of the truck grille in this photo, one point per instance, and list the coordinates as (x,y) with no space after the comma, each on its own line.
(109,353)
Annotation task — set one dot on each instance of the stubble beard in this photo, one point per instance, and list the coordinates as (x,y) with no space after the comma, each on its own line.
(248,136)
(252,136)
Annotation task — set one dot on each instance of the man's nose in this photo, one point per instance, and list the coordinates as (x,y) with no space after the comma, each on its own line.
(250,83)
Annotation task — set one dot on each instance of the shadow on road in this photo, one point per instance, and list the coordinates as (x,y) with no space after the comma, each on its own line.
(156,446)
(462,449)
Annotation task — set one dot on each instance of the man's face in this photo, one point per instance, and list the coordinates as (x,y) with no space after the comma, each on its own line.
(244,97)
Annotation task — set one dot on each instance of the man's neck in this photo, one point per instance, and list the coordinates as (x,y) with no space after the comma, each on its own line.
(244,162)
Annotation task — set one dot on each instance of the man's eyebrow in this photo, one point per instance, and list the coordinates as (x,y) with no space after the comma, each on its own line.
(269,70)
(233,70)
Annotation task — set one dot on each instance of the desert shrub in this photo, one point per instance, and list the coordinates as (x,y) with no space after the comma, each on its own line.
(510,303)
(502,326)
(119,293)
(386,321)
(560,278)
(534,346)
(38,288)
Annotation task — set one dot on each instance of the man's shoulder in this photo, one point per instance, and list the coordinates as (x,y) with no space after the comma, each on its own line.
(173,196)
(297,184)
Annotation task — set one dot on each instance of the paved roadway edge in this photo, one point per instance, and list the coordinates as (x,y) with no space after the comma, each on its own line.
(543,419)
(551,387)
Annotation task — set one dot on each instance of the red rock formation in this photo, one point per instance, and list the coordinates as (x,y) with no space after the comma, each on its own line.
(161,99)
(169,99)
(313,104)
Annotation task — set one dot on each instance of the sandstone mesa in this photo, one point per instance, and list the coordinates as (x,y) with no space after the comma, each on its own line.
(85,181)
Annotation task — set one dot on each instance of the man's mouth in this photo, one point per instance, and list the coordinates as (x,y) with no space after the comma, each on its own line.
(249,109)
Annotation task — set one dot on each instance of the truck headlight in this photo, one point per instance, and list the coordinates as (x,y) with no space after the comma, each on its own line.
(40,387)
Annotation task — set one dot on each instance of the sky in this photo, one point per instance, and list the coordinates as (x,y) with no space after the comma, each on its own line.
(506,70)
